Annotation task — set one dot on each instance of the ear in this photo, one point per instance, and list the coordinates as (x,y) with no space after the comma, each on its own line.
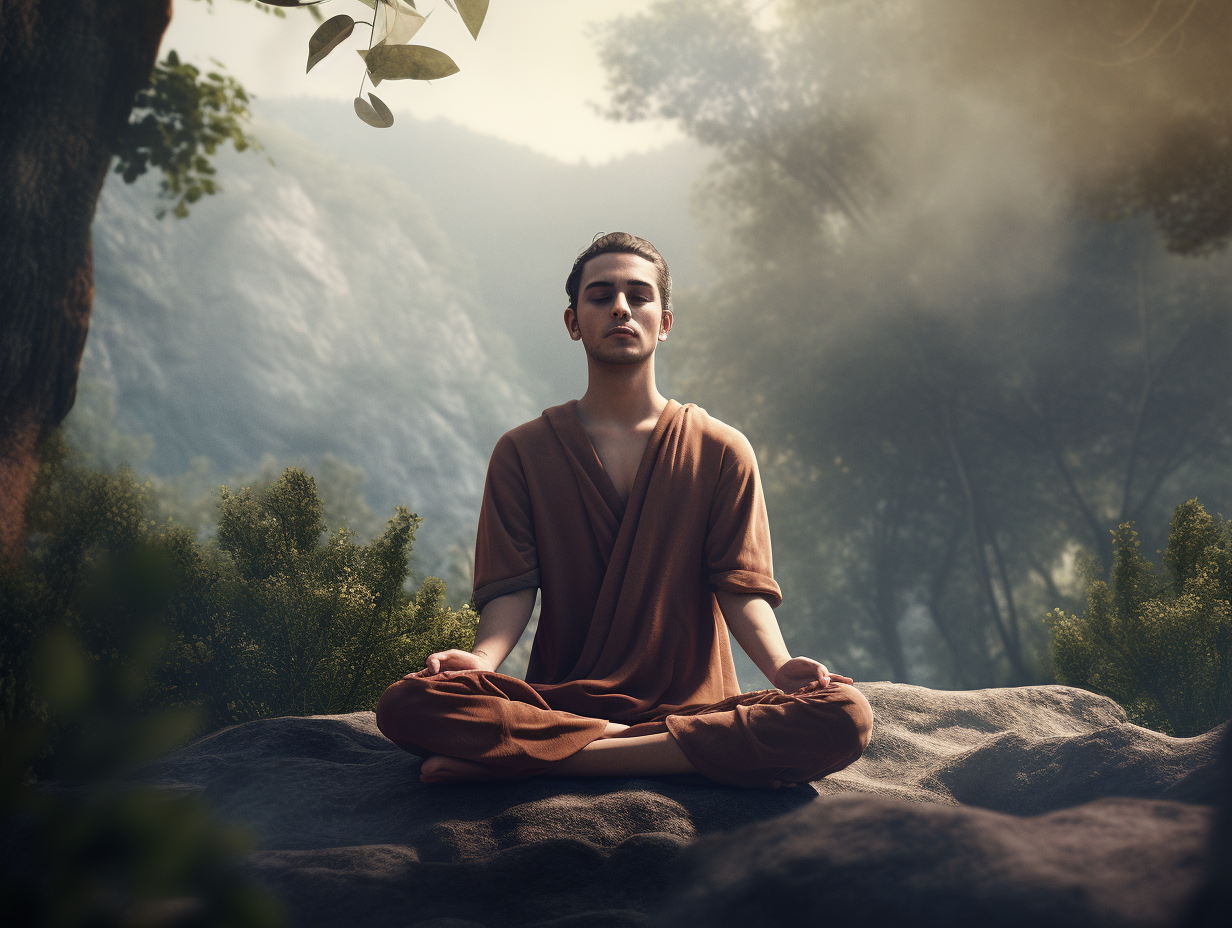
(571,324)
(665,325)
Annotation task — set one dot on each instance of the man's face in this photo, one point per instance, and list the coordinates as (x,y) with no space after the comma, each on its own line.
(619,317)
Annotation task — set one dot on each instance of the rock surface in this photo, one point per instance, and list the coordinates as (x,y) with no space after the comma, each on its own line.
(926,826)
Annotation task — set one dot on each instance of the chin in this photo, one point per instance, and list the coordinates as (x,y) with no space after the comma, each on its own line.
(606,355)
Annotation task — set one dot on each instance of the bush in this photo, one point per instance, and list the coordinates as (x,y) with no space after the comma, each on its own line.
(1158,644)
(277,619)
(271,617)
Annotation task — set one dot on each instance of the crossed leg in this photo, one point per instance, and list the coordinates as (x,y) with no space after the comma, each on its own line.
(481,726)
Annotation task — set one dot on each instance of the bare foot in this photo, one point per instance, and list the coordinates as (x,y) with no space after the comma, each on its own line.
(442,769)
(613,729)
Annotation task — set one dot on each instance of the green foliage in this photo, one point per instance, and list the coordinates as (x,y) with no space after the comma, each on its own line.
(271,617)
(1158,644)
(279,622)
(177,122)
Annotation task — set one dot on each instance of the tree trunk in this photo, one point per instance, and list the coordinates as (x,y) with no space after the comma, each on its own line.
(69,70)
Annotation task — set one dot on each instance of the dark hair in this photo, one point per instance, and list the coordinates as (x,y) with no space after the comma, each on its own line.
(620,243)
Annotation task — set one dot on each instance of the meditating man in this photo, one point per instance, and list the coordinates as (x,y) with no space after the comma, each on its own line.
(643,525)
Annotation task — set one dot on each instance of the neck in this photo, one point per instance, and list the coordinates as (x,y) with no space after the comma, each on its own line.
(621,393)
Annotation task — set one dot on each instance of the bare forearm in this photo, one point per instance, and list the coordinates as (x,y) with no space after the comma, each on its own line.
(755,629)
(501,624)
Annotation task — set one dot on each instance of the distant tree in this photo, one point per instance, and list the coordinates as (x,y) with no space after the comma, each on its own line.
(1161,645)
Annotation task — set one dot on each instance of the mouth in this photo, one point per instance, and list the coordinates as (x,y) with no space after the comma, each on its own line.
(620,330)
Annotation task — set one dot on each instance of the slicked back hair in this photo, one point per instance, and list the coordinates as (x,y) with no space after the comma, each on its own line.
(620,243)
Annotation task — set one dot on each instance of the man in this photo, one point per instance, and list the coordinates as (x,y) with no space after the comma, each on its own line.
(643,525)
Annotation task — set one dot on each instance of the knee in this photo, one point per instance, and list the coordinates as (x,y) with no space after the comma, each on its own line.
(396,708)
(846,718)
(861,715)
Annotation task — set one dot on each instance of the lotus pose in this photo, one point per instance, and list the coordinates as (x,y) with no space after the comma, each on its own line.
(642,524)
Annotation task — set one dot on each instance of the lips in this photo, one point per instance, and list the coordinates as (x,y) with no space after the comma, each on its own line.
(620,330)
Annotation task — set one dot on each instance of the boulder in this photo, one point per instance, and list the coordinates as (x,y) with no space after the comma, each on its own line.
(977,806)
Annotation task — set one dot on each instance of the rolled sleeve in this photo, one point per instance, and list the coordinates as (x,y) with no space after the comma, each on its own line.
(737,550)
(506,559)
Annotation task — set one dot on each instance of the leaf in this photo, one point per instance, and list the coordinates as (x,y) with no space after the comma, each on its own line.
(293,2)
(381,110)
(363,53)
(329,35)
(401,22)
(472,13)
(365,111)
(409,62)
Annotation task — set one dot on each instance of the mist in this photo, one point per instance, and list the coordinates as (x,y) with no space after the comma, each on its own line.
(375,311)
(973,308)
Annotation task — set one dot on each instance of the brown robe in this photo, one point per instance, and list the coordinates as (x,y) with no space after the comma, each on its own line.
(630,629)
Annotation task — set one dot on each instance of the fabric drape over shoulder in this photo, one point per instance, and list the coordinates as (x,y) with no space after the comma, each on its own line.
(629,625)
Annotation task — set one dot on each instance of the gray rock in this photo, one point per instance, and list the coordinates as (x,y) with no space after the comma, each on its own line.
(870,860)
(348,835)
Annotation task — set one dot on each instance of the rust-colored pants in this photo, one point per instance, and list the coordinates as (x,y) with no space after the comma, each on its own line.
(505,725)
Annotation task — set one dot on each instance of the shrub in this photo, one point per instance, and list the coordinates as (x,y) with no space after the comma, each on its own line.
(277,619)
(1158,643)
(271,617)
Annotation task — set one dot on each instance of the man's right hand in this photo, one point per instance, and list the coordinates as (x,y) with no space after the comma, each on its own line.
(452,661)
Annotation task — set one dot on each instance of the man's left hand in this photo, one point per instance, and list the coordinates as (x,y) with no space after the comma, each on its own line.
(805,674)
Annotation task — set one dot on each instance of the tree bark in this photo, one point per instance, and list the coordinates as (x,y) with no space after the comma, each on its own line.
(69,70)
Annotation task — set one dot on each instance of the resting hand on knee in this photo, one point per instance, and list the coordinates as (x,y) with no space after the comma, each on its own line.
(805,674)
(453,661)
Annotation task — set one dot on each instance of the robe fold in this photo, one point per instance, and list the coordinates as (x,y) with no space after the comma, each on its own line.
(630,628)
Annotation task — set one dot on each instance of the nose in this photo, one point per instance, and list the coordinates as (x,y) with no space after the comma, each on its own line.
(620,307)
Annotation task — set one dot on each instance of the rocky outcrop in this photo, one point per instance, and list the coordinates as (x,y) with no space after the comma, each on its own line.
(994,806)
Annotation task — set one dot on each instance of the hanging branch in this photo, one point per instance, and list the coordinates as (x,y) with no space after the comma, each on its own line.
(389,57)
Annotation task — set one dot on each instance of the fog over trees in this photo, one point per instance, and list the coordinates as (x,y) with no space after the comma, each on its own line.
(973,306)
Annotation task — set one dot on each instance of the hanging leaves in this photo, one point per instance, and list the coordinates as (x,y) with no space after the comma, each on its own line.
(375,113)
(381,110)
(408,62)
(388,57)
(363,54)
(328,36)
(472,13)
(401,22)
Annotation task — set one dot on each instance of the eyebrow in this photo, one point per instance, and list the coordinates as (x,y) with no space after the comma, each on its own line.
(608,283)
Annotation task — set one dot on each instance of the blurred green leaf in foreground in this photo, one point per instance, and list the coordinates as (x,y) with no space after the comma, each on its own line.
(1158,644)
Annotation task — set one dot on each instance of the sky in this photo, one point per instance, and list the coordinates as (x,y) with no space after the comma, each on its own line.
(532,78)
